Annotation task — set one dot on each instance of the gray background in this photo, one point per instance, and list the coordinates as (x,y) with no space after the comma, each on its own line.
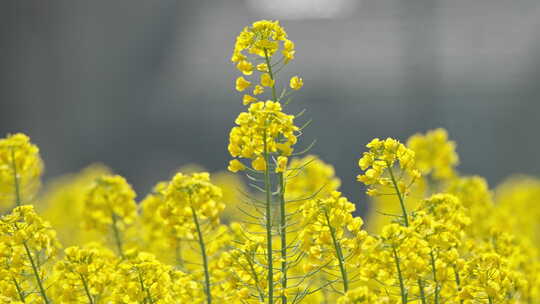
(147,86)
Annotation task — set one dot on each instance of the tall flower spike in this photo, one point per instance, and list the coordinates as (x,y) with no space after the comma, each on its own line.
(62,204)
(380,176)
(192,204)
(110,207)
(262,40)
(20,170)
(85,273)
(330,235)
(158,240)
(28,243)
(265,135)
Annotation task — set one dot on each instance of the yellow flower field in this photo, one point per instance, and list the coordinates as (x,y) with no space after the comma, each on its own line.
(283,233)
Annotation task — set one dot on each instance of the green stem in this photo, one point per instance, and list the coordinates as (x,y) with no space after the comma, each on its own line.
(116,234)
(204,256)
(339,254)
(178,253)
(144,289)
(36,274)
(15,178)
(19,290)
(490,300)
(86,289)
(399,194)
(434,270)
(255,277)
(458,281)
(268,222)
(268,63)
(283,234)
(268,209)
(149,295)
(400,277)
(422,292)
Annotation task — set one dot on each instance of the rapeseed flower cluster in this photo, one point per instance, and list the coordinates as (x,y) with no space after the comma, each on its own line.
(264,129)
(110,207)
(378,164)
(20,170)
(432,235)
(435,154)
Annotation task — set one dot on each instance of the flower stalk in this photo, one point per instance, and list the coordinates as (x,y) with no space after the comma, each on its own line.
(207,289)
(268,215)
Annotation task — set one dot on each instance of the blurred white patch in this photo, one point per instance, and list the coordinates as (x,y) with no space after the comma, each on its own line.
(304,9)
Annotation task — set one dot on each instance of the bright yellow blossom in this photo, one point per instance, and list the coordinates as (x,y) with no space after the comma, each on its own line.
(86,274)
(260,39)
(263,127)
(266,80)
(281,164)
(262,67)
(242,84)
(434,153)
(258,90)
(298,239)
(21,168)
(27,244)
(110,207)
(245,67)
(235,165)
(248,99)
(109,202)
(296,83)
(188,194)
(259,164)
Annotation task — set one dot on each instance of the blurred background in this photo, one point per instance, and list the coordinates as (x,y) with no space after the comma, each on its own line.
(147,86)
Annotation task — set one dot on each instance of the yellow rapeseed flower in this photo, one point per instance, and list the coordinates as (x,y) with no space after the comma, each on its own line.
(235,165)
(242,84)
(434,153)
(21,168)
(266,80)
(296,83)
(264,126)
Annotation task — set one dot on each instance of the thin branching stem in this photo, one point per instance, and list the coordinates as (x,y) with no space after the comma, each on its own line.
(178,253)
(116,235)
(422,291)
(16,184)
(339,254)
(458,281)
(267,59)
(267,188)
(283,235)
(255,277)
(268,215)
(86,289)
(400,277)
(203,254)
(19,290)
(144,290)
(399,195)
(434,270)
(35,270)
